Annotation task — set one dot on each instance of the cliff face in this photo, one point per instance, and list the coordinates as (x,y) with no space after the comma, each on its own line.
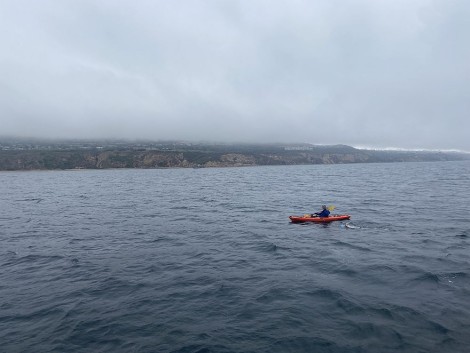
(97,159)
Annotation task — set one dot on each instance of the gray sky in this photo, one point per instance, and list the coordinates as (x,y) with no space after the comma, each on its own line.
(374,73)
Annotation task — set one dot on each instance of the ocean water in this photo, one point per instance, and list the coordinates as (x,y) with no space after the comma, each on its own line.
(205,260)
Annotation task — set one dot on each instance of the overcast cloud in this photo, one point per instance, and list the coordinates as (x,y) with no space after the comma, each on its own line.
(376,73)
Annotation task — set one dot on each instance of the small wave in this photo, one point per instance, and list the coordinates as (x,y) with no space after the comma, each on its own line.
(427,277)
(36,314)
(409,315)
(265,221)
(152,215)
(159,239)
(310,344)
(195,348)
(273,295)
(180,208)
(349,306)
(150,269)
(382,312)
(458,275)
(338,301)
(37,200)
(427,241)
(349,272)
(380,268)
(367,330)
(463,234)
(41,259)
(454,276)
(114,285)
(271,247)
(325,293)
(351,246)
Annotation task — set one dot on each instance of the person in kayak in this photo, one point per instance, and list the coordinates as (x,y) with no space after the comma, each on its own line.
(324,213)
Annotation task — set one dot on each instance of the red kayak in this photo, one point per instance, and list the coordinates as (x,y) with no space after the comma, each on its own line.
(308,218)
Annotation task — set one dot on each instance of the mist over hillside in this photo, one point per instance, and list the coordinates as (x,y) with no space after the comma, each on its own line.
(24,154)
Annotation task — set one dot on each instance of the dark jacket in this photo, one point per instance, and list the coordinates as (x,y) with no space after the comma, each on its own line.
(324,213)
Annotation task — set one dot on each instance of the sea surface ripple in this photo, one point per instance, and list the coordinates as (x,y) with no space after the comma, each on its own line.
(205,260)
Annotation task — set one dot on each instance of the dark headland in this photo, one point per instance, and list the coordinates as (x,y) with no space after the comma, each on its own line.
(47,155)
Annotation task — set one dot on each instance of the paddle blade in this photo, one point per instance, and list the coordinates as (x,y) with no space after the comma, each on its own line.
(331,208)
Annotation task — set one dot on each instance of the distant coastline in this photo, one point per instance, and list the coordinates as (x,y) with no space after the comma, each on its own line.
(94,155)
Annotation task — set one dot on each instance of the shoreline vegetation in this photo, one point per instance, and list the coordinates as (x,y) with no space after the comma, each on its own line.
(27,155)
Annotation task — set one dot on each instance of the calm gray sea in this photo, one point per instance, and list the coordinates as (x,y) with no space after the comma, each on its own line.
(205,260)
